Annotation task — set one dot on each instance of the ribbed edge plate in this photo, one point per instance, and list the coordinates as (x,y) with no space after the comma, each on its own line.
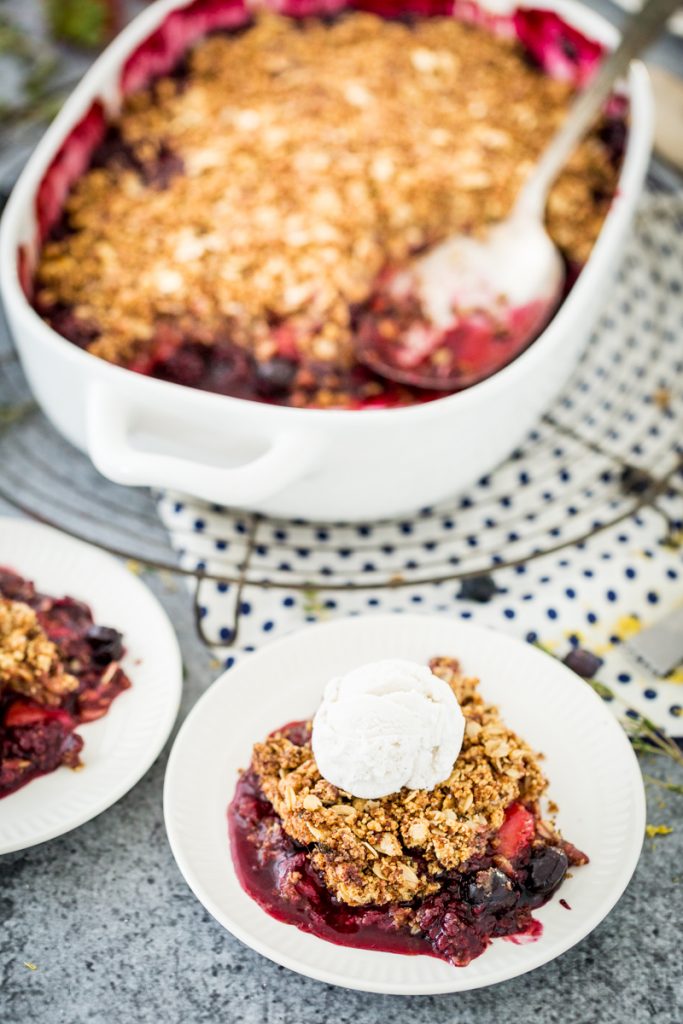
(593,772)
(120,747)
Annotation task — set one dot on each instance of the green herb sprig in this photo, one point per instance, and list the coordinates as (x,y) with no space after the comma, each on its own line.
(10,414)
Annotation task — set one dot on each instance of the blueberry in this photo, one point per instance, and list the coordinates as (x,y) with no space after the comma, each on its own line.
(114,152)
(613,136)
(583,662)
(64,320)
(547,868)
(227,370)
(159,173)
(478,588)
(634,480)
(187,365)
(569,49)
(491,891)
(105,643)
(275,376)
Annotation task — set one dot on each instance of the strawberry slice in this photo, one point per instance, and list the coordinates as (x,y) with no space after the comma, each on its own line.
(516,832)
(22,713)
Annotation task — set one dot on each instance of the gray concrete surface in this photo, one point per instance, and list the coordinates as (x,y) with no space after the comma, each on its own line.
(118,937)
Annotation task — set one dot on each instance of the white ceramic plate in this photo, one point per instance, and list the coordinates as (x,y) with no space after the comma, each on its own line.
(120,747)
(593,773)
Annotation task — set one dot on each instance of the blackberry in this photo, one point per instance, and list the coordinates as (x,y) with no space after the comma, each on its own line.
(275,376)
(547,868)
(478,588)
(106,644)
(583,662)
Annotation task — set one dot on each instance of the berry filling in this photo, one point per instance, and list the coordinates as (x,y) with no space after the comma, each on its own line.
(37,717)
(559,50)
(493,895)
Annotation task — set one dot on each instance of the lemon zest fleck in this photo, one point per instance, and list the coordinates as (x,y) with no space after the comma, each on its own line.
(658,830)
(626,626)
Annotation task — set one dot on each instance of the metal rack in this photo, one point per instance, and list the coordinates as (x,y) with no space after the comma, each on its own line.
(590,464)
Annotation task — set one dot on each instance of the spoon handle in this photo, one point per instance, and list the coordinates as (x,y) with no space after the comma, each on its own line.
(641,29)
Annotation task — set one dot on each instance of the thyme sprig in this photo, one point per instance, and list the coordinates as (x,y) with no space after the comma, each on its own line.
(645,736)
(312,603)
(10,414)
(38,59)
(672,787)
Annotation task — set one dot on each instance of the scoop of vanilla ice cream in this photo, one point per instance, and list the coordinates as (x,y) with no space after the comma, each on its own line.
(387,725)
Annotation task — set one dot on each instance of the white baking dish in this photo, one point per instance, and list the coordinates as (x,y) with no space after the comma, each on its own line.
(315,464)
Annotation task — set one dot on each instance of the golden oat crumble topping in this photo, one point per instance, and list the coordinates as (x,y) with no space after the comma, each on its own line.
(310,158)
(29,662)
(392,850)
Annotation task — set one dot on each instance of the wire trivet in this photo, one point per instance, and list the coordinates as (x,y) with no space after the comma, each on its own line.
(609,447)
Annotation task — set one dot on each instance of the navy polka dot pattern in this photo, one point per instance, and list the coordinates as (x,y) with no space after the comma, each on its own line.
(548,498)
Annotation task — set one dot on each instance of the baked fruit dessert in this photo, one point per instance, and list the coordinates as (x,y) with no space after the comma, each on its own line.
(58,669)
(238,217)
(442,869)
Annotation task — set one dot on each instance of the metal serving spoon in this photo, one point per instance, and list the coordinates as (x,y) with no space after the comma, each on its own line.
(465,308)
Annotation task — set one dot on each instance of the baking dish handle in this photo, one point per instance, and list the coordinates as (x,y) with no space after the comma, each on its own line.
(110,416)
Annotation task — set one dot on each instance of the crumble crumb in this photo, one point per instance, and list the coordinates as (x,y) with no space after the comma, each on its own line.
(394,849)
(29,662)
